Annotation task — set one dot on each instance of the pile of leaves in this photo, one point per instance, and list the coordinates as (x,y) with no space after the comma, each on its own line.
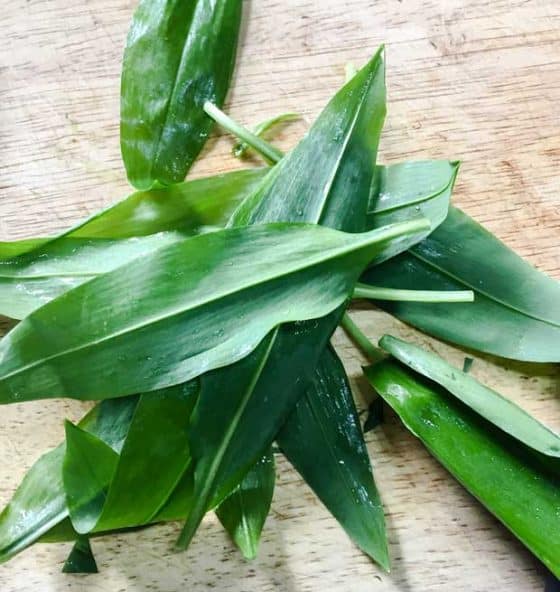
(198,315)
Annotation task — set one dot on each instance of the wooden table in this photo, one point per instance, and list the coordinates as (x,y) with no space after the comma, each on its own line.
(467,79)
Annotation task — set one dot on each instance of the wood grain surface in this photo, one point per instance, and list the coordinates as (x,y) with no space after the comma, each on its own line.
(467,79)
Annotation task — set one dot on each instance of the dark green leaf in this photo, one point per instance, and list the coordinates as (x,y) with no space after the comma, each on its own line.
(376,415)
(519,486)
(87,470)
(243,513)
(322,438)
(166,318)
(178,55)
(498,410)
(81,559)
(156,449)
(39,502)
(515,313)
(228,433)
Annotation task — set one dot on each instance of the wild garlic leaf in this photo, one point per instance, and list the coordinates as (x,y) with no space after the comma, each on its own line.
(156,448)
(515,313)
(323,439)
(518,485)
(178,55)
(80,559)
(39,503)
(495,408)
(131,228)
(344,138)
(244,512)
(171,316)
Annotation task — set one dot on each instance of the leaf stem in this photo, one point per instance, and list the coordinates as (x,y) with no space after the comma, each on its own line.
(268,152)
(434,296)
(361,339)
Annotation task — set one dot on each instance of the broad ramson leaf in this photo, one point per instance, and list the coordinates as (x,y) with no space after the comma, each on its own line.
(171,316)
(515,313)
(495,408)
(227,439)
(178,55)
(322,438)
(519,486)
(243,513)
(39,502)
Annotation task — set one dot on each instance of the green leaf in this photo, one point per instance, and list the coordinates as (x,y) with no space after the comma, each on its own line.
(81,559)
(411,189)
(243,513)
(187,209)
(241,148)
(515,313)
(30,281)
(39,502)
(518,485)
(495,408)
(322,438)
(228,434)
(58,264)
(178,55)
(87,470)
(169,317)
(156,449)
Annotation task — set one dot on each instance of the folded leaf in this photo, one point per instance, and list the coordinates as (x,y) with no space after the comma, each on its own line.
(178,55)
(87,470)
(406,190)
(515,313)
(39,502)
(81,559)
(154,457)
(243,513)
(518,485)
(169,317)
(498,410)
(344,139)
(322,438)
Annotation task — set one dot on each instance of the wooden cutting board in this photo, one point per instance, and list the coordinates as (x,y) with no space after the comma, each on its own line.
(467,79)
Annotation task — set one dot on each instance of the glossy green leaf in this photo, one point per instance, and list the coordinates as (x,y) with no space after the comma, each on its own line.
(515,313)
(228,435)
(169,317)
(142,222)
(178,55)
(402,191)
(518,485)
(241,148)
(243,513)
(156,448)
(498,410)
(30,281)
(87,470)
(322,438)
(187,209)
(81,559)
(39,503)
